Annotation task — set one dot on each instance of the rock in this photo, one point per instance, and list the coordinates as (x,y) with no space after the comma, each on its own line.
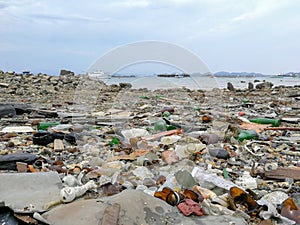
(66,72)
(4,85)
(230,86)
(219,153)
(209,138)
(8,162)
(45,138)
(125,85)
(264,85)
(250,86)
(185,179)
(7,216)
(7,110)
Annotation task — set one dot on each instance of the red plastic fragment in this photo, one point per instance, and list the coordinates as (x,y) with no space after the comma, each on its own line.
(189,207)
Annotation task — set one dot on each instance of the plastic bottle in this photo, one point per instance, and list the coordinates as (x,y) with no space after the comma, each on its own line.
(274,122)
(247,135)
(45,125)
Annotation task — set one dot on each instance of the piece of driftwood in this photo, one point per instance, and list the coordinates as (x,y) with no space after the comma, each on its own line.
(283,173)
(283,128)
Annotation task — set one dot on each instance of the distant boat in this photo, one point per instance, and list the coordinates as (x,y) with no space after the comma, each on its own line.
(99,74)
(289,75)
(26,72)
(176,75)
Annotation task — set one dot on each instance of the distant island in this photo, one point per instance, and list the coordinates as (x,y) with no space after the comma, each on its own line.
(253,74)
(238,74)
(121,76)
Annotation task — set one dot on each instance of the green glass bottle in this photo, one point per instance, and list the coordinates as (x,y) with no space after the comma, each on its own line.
(45,125)
(166,114)
(247,135)
(114,141)
(160,125)
(274,122)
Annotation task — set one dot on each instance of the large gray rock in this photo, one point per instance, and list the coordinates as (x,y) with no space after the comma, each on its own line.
(230,86)
(125,85)
(134,207)
(264,85)
(250,86)
(7,110)
(66,72)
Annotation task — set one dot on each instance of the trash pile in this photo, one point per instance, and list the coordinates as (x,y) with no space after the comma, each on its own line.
(175,156)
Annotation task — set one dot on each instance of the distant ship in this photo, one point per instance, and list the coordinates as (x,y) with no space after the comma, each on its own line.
(176,75)
(99,74)
(288,75)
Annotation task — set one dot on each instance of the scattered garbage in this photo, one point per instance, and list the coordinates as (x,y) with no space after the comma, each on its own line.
(159,157)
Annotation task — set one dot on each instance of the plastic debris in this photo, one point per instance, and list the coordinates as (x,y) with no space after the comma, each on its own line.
(68,194)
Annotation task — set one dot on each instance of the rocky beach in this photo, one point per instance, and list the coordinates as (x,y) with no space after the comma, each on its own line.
(74,150)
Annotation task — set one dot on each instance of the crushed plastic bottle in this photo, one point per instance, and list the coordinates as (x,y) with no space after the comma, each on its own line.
(205,178)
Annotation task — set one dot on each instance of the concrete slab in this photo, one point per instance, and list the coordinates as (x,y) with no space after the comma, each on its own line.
(29,192)
(136,207)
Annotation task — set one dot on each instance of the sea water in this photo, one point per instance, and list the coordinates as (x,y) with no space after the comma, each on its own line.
(200,82)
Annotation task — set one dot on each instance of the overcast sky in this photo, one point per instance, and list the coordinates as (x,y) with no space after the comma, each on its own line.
(228,35)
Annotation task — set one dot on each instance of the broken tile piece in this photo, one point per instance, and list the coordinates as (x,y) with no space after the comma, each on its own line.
(21,167)
(58,145)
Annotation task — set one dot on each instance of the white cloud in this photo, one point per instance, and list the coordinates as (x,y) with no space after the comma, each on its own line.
(101,24)
(133,3)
